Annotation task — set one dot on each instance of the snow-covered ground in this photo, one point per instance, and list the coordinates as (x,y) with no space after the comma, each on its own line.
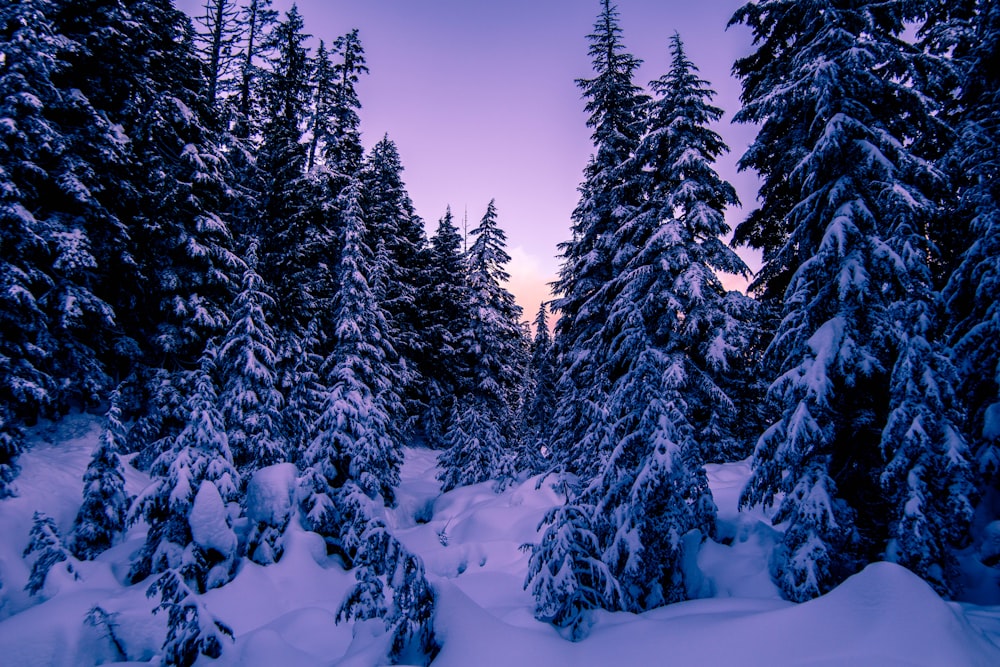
(470,541)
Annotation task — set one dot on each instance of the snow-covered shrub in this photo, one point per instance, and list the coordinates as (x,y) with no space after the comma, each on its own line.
(566,574)
(49,550)
(392,585)
(191,629)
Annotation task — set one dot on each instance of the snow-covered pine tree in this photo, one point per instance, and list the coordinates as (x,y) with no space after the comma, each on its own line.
(391,219)
(303,388)
(667,343)
(240,118)
(343,150)
(443,314)
(652,492)
(538,399)
(47,546)
(609,195)
(192,630)
(679,227)
(970,31)
(320,120)
(285,224)
(353,437)
(218,45)
(392,585)
(188,522)
(54,306)
(250,400)
(102,516)
(845,202)
(256,20)
(566,574)
(174,189)
(481,431)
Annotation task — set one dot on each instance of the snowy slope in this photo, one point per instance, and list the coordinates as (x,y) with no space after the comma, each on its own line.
(469,539)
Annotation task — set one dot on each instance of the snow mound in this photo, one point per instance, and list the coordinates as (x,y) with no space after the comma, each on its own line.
(884,615)
(271,494)
(209,521)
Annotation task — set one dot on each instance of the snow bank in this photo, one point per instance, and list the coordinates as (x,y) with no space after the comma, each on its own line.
(884,615)
(469,539)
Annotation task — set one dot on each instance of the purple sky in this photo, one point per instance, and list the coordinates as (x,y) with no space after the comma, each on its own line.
(480,98)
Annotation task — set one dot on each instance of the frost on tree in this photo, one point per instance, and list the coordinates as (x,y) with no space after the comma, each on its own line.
(102,516)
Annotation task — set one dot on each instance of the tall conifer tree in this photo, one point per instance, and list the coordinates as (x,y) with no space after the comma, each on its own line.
(845,205)
(609,195)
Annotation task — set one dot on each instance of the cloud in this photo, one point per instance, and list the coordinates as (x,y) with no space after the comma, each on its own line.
(529,279)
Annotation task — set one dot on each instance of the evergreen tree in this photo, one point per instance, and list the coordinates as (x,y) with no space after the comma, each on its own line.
(845,203)
(669,255)
(353,437)
(218,39)
(538,402)
(608,196)
(138,66)
(970,32)
(392,221)
(199,456)
(320,124)
(443,313)
(286,223)
(481,433)
(101,518)
(391,585)
(47,545)
(566,574)
(257,19)
(343,150)
(250,400)
(192,630)
(55,309)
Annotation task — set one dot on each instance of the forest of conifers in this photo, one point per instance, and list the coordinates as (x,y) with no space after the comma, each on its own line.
(194,242)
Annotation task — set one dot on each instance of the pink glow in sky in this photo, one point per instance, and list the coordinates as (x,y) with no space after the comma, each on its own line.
(480,98)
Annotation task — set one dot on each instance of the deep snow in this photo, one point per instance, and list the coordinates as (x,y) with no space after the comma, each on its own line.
(470,541)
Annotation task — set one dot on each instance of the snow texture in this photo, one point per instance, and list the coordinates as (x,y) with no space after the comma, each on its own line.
(469,539)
